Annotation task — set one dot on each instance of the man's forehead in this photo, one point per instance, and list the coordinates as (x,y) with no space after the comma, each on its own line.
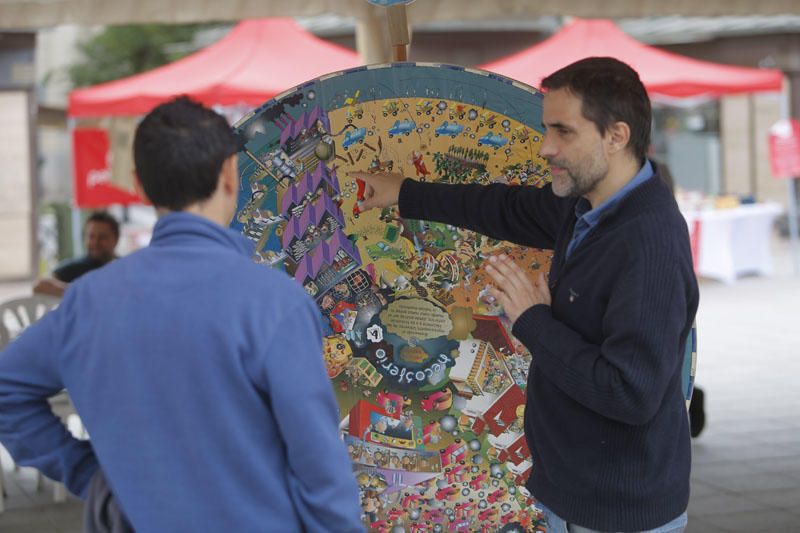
(98,226)
(562,106)
(561,100)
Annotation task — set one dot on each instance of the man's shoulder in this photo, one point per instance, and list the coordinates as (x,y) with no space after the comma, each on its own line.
(259,277)
(74,262)
(663,225)
(651,203)
(656,236)
(67,271)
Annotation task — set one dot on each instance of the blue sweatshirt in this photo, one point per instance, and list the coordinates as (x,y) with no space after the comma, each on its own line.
(605,417)
(199,376)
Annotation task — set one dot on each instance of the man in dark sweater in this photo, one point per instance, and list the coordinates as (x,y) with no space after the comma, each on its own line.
(100,237)
(605,418)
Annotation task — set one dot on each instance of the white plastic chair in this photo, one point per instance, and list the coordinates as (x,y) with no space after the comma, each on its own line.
(15,316)
(2,491)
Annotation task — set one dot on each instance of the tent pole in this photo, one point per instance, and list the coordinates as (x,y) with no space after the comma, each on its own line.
(793,224)
(753,145)
(786,114)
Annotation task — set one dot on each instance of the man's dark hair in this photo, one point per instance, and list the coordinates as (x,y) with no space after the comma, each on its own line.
(178,150)
(611,92)
(105,218)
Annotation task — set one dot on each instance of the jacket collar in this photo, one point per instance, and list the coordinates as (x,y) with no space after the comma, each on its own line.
(183,227)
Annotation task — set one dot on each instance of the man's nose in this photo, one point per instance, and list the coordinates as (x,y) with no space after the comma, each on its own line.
(547,149)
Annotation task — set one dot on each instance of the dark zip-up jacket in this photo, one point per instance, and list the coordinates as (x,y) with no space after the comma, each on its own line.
(605,417)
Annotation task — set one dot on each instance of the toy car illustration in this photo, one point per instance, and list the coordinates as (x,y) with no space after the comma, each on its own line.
(381,250)
(354,136)
(488,119)
(402,127)
(521,133)
(449,128)
(439,401)
(492,139)
(488,515)
(458,111)
(355,112)
(447,493)
(392,106)
(424,106)
(376,165)
(497,495)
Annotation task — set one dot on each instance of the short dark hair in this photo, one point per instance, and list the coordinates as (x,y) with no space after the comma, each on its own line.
(104,218)
(178,150)
(611,91)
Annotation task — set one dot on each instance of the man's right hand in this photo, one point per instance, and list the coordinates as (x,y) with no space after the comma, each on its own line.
(50,287)
(381,189)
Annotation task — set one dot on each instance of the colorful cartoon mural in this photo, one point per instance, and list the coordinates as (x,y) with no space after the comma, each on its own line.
(429,380)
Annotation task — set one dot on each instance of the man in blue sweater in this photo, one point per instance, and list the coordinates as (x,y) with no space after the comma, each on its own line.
(198,374)
(605,418)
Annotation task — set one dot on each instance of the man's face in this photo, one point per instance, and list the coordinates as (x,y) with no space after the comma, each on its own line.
(99,240)
(572,145)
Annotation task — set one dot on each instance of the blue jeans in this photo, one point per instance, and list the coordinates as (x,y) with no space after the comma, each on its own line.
(556,524)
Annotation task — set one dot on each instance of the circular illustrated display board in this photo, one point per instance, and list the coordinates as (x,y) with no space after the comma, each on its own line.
(429,381)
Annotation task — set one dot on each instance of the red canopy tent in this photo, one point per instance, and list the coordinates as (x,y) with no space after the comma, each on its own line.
(255,61)
(663,73)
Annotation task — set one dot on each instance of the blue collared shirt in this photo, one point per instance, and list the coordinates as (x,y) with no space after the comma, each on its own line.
(588,217)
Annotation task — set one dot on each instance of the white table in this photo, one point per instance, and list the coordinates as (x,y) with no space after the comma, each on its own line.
(727,243)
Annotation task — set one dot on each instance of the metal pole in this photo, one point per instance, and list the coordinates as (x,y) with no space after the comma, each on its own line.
(77,237)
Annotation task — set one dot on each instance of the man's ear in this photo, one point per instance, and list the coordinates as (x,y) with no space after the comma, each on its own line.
(229,175)
(618,136)
(137,186)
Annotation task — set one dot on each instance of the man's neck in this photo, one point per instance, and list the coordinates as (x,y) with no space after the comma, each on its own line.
(102,260)
(620,172)
(209,211)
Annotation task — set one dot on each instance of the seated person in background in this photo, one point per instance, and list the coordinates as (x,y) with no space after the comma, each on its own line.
(100,236)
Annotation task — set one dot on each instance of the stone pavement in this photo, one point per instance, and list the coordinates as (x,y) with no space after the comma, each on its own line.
(746,464)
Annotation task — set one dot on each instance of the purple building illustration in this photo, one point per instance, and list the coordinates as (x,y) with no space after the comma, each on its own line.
(307,187)
(320,253)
